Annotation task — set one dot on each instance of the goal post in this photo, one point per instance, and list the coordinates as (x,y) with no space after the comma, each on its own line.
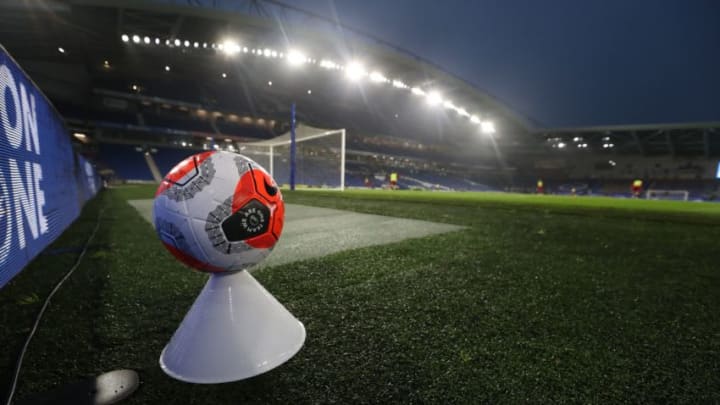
(320,157)
(655,194)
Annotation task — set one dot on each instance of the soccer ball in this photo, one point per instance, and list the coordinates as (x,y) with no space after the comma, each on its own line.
(218,211)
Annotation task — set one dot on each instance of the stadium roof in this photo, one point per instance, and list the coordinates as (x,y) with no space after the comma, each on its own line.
(120,44)
(259,63)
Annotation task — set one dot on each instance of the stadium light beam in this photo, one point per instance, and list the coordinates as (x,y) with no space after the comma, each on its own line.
(488,127)
(417,91)
(399,84)
(378,77)
(474,119)
(355,71)
(296,57)
(328,64)
(229,47)
(434,98)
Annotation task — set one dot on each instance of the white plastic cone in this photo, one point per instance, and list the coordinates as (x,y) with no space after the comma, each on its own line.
(234,330)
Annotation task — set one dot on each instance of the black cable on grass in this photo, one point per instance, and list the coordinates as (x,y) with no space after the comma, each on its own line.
(45,305)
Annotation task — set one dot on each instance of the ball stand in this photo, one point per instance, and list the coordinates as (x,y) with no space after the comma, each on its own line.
(235,330)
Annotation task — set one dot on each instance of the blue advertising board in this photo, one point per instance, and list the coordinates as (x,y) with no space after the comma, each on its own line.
(43,183)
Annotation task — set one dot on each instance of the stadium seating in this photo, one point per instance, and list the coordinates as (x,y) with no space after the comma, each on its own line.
(125,161)
(167,158)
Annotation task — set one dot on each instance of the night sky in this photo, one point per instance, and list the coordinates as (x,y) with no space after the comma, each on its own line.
(563,62)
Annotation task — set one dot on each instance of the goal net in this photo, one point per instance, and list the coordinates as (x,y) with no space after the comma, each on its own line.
(319,157)
(654,194)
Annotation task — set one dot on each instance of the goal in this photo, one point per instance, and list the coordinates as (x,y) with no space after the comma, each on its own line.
(653,194)
(319,157)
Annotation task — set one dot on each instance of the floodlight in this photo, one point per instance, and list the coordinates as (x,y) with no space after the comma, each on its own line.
(61,49)
(577,139)
(417,91)
(309,91)
(399,84)
(355,71)
(488,127)
(230,47)
(273,54)
(80,136)
(269,83)
(474,119)
(245,50)
(267,52)
(462,111)
(449,105)
(204,44)
(224,75)
(157,41)
(195,44)
(177,42)
(146,40)
(167,68)
(328,64)
(136,39)
(377,77)
(295,57)
(612,162)
(125,37)
(561,145)
(434,98)
(186,43)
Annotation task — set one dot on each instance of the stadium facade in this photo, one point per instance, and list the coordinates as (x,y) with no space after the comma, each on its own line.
(160,79)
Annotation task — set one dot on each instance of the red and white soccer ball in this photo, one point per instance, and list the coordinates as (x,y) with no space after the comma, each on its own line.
(218,212)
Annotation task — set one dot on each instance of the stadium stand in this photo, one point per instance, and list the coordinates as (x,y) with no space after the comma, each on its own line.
(125,160)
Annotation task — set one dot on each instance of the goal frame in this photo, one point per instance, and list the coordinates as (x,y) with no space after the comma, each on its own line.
(304,133)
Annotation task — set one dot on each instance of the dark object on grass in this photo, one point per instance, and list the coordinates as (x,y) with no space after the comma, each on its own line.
(108,388)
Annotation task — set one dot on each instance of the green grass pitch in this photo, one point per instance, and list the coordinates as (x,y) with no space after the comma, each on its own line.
(540,299)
